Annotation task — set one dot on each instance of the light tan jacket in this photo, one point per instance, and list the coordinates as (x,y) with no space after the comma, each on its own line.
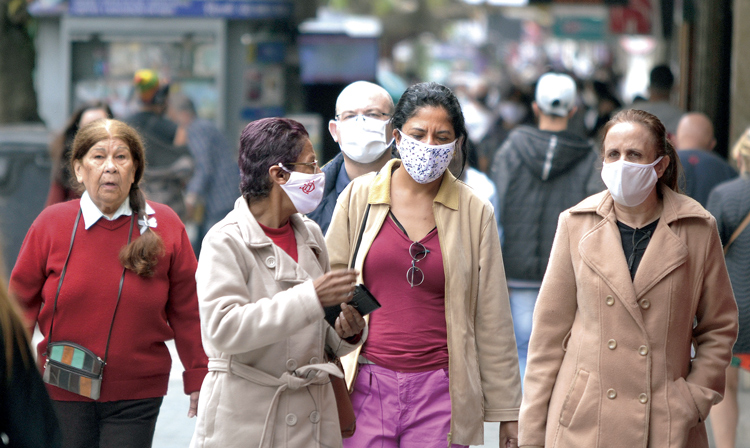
(609,358)
(483,363)
(264,334)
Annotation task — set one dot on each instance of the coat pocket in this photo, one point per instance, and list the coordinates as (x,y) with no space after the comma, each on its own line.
(573,399)
(683,412)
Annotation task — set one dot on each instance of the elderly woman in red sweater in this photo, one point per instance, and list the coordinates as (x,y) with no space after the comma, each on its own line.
(116,277)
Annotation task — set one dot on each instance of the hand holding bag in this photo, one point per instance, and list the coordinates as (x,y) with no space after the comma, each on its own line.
(71,366)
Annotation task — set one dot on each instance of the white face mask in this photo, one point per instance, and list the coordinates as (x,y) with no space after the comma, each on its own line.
(424,163)
(362,139)
(304,190)
(629,183)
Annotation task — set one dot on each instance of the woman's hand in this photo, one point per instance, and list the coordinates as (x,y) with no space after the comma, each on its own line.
(193,410)
(335,287)
(349,322)
(508,434)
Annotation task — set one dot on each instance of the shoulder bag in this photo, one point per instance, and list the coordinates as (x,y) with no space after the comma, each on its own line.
(71,366)
(347,419)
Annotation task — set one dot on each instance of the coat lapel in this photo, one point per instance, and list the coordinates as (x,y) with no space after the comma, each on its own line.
(664,253)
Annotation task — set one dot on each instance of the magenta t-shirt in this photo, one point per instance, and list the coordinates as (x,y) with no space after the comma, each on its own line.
(409,333)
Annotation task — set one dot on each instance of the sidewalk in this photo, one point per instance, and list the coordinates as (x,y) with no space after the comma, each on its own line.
(174,429)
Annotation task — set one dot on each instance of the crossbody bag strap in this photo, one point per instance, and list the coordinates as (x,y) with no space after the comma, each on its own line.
(737,232)
(119,291)
(359,237)
(62,276)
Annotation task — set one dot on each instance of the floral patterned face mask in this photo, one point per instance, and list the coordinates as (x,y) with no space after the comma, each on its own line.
(425,163)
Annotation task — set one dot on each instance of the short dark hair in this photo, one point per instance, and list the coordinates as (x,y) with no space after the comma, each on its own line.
(661,78)
(263,144)
(659,136)
(431,94)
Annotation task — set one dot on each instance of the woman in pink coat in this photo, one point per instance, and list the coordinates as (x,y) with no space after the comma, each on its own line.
(636,280)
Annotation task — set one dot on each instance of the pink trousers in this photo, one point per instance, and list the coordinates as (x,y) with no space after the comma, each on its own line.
(401,410)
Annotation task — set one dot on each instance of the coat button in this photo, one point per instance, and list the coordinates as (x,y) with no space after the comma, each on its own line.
(644,303)
(610,300)
(611,394)
(315,416)
(291,419)
(314,360)
(271,262)
(643,350)
(612,344)
(643,398)
(291,365)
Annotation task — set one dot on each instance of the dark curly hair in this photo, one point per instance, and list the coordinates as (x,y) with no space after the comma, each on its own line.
(263,144)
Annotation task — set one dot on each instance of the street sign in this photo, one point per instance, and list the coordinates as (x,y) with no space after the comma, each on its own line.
(231,9)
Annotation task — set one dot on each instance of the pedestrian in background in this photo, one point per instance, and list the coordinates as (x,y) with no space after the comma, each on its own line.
(117,276)
(169,166)
(610,359)
(263,281)
(61,183)
(430,253)
(661,82)
(729,203)
(703,169)
(27,418)
(539,172)
(361,129)
(212,190)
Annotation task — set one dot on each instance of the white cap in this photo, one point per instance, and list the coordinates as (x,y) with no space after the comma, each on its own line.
(555,94)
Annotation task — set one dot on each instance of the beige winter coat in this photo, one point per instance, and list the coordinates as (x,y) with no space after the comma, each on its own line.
(609,358)
(264,334)
(483,362)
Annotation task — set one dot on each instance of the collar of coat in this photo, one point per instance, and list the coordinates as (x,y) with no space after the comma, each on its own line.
(675,206)
(255,237)
(380,188)
(666,250)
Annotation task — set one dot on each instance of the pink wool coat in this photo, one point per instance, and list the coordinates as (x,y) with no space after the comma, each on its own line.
(609,358)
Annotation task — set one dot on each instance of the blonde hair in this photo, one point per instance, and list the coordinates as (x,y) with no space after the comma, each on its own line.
(13,329)
(741,149)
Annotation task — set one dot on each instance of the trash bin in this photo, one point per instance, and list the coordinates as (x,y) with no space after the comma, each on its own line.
(24,183)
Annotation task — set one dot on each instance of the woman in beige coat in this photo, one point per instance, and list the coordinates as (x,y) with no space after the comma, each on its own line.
(636,278)
(440,358)
(263,280)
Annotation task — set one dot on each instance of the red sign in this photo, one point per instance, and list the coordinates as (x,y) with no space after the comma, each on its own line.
(632,19)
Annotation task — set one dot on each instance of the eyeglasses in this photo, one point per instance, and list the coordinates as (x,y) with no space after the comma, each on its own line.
(313,164)
(345,116)
(418,252)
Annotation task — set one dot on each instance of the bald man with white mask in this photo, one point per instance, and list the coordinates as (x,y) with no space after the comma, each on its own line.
(361,128)
(703,169)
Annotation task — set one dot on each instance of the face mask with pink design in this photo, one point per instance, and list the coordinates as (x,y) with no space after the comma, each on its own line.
(304,190)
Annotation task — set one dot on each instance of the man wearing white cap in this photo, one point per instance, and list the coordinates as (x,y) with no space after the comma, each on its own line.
(360,128)
(539,173)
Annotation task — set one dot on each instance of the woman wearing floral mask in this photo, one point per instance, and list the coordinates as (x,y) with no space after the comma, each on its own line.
(635,282)
(430,254)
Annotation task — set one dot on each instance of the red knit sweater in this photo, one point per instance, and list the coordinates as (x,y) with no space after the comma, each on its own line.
(151,311)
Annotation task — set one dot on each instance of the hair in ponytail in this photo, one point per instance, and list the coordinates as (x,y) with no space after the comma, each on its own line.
(662,145)
(142,254)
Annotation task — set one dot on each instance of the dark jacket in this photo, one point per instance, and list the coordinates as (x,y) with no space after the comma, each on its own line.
(322,214)
(27,417)
(730,203)
(703,171)
(539,174)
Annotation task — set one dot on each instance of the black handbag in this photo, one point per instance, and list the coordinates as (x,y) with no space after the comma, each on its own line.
(71,366)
